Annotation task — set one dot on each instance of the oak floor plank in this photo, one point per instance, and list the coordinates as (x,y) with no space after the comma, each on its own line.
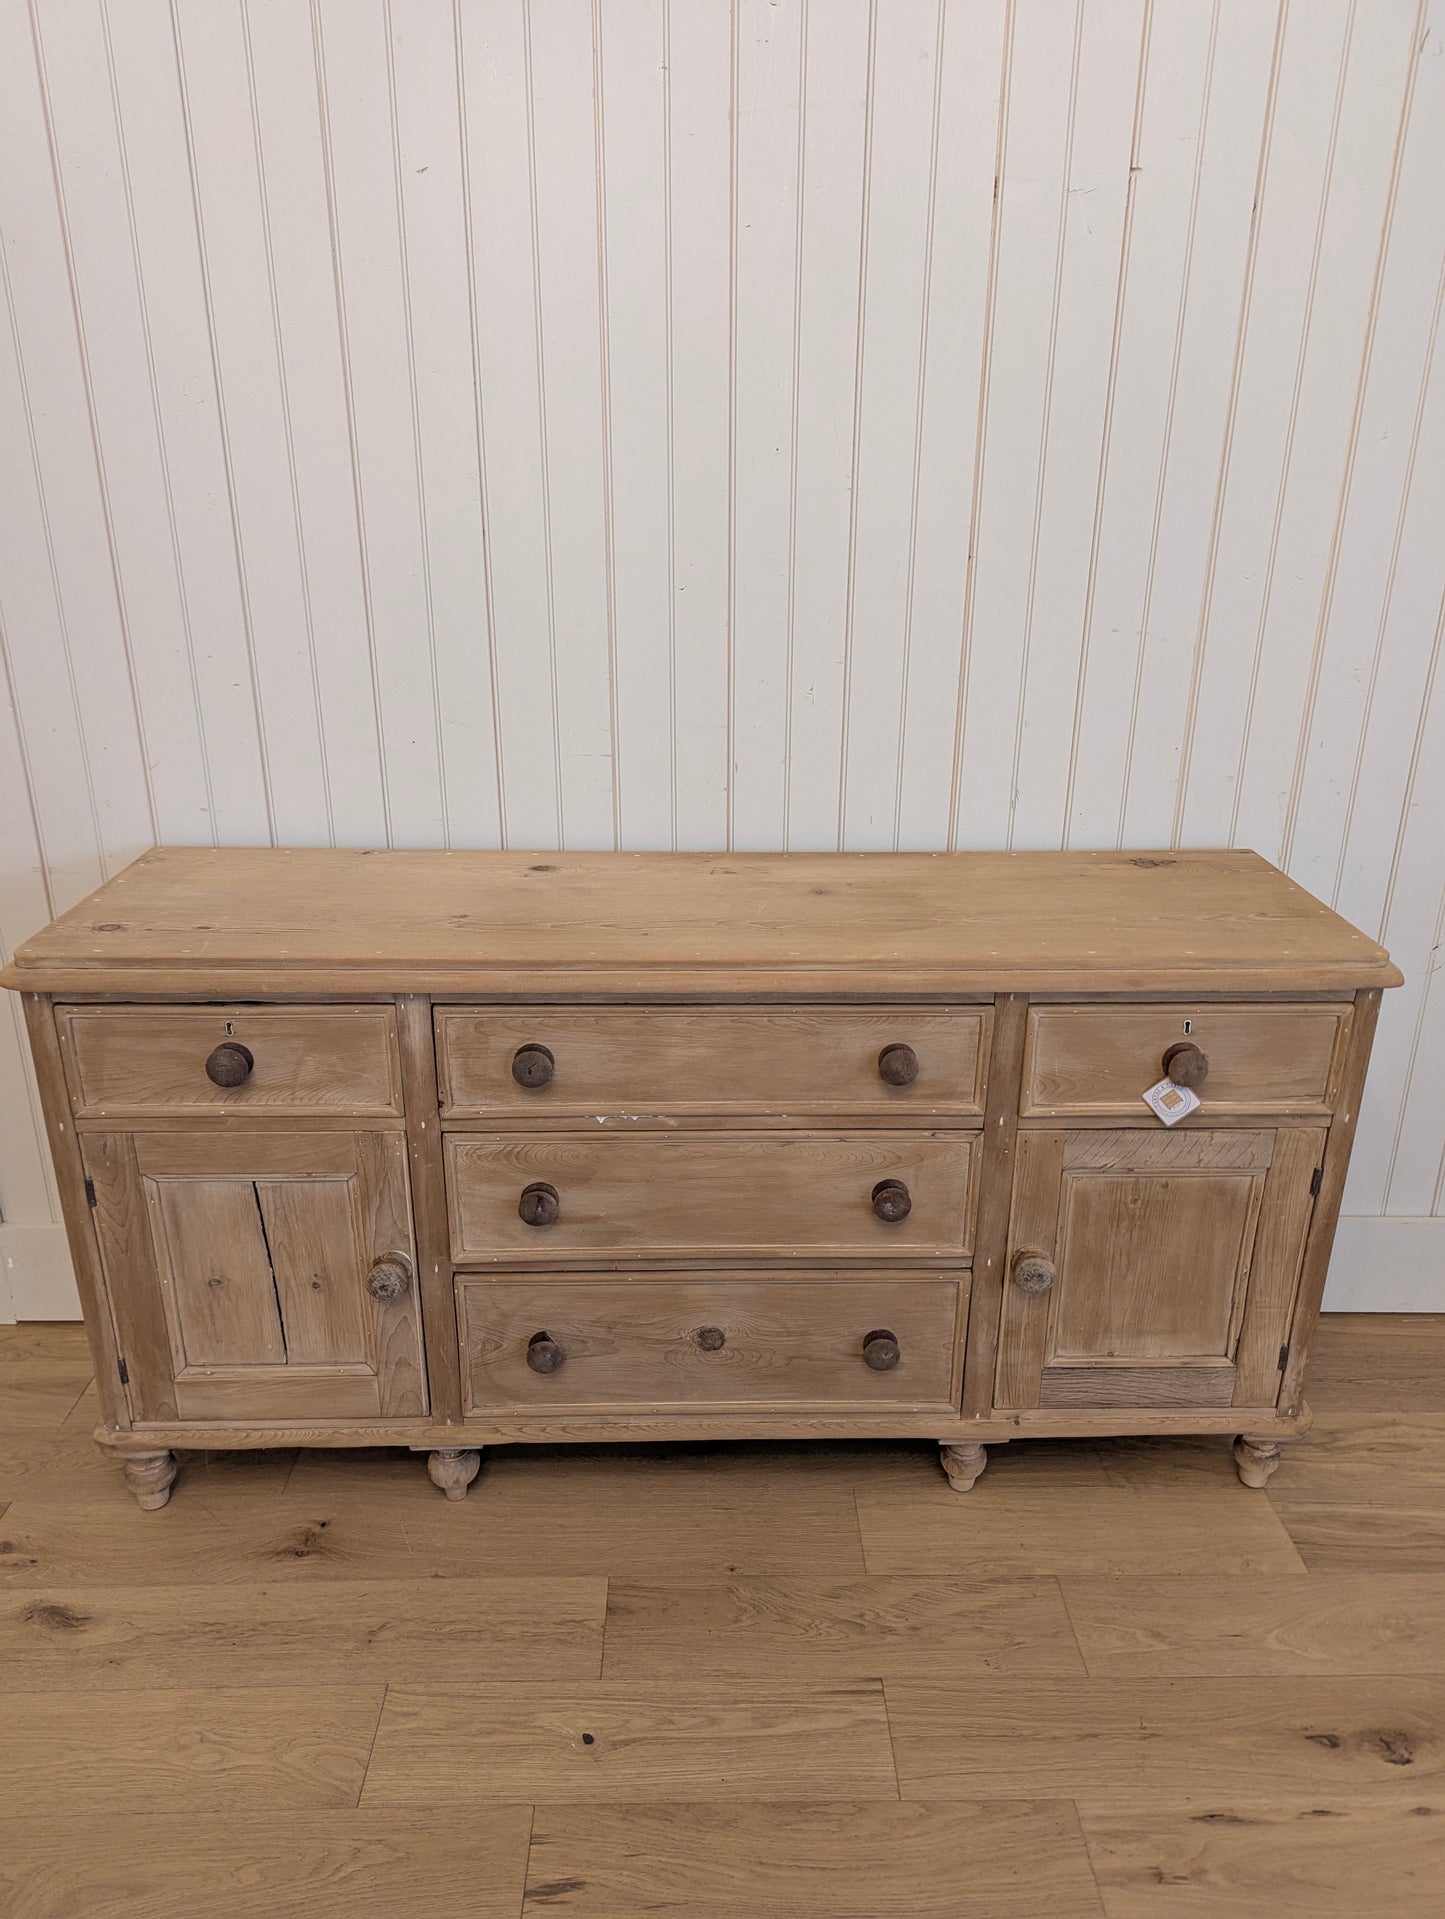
(1250,1859)
(1163,1739)
(1378,1362)
(867,1627)
(62,1339)
(327,1865)
(1334,1623)
(869,1860)
(342,1633)
(624,1741)
(1014,1529)
(201,1748)
(39,1393)
(1364,1536)
(61,1465)
(412,1532)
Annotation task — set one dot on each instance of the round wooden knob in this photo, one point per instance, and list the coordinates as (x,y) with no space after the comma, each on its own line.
(389,1279)
(881,1350)
(230,1064)
(533,1065)
(712,1339)
(898,1065)
(539,1204)
(892,1200)
(1186,1065)
(544,1355)
(1033,1272)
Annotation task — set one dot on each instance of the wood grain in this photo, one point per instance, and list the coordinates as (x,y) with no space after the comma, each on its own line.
(207,1748)
(343,1633)
(819,1628)
(1333,1623)
(1262,1059)
(1156,1739)
(710,1196)
(123,1060)
(342,1864)
(641,1064)
(630,1740)
(1013,1529)
(1244,1857)
(844,1860)
(787,1342)
(444,922)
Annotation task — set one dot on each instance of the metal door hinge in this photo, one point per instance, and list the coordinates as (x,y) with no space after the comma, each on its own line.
(1283,1357)
(90,1192)
(124,1372)
(1316,1181)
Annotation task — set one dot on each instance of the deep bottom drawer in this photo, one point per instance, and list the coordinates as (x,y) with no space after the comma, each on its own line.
(675,1341)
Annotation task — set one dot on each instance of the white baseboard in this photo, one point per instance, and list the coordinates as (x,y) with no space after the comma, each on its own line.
(1390,1264)
(35,1273)
(1380,1265)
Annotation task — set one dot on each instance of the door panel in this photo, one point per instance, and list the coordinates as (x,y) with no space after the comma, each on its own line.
(1175,1258)
(238,1268)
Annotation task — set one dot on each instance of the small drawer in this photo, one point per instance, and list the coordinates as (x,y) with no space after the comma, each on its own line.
(555,1197)
(317,1060)
(646,1063)
(674,1342)
(1261,1059)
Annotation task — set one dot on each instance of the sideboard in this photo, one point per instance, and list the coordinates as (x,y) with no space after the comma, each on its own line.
(446,1150)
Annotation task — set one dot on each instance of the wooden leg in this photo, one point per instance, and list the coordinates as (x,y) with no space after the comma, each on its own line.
(1256,1459)
(963,1464)
(453,1468)
(149,1477)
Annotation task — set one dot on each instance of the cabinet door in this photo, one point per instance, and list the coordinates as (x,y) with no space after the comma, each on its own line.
(1165,1266)
(260,1276)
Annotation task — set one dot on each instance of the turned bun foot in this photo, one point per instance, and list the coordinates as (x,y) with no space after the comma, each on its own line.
(1256,1459)
(963,1464)
(149,1477)
(453,1468)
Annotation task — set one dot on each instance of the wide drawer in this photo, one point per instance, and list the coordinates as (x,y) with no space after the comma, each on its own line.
(689,1195)
(670,1341)
(641,1063)
(318,1060)
(1262,1059)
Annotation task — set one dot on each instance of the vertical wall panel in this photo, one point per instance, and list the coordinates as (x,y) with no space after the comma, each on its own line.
(697,423)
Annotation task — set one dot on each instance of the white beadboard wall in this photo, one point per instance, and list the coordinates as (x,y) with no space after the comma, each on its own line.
(667,423)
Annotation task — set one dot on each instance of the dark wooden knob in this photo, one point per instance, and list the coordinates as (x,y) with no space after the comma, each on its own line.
(898,1065)
(712,1339)
(544,1355)
(1186,1065)
(230,1064)
(539,1204)
(1033,1272)
(533,1065)
(892,1200)
(881,1350)
(389,1279)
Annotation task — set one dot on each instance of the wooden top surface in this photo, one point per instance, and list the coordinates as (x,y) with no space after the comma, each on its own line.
(242,921)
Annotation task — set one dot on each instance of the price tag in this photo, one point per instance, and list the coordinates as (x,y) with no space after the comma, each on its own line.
(1172,1103)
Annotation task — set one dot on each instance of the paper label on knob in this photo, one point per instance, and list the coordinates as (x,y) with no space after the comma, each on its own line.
(1172,1103)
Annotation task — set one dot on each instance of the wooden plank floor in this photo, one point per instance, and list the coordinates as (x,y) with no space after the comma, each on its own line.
(751,1682)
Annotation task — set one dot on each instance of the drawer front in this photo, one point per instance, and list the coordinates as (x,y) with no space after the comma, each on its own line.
(669,1341)
(318,1060)
(1262,1059)
(689,1195)
(644,1063)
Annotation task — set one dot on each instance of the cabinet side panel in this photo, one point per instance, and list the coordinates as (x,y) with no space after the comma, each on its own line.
(1332,1186)
(79,1228)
